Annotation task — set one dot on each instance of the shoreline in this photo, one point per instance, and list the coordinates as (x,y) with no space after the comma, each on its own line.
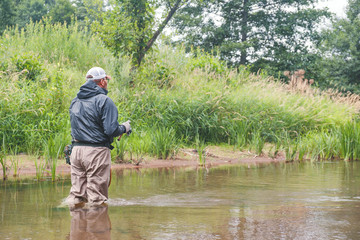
(186,158)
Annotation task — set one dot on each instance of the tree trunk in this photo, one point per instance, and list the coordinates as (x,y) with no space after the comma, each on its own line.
(158,32)
(244,31)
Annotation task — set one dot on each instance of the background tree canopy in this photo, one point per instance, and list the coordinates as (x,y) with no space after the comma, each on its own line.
(131,28)
(275,35)
(340,47)
(267,35)
(21,12)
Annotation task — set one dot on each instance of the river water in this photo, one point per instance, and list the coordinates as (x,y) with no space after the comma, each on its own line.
(278,201)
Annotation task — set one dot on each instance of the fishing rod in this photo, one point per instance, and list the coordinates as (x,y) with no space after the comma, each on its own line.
(132,114)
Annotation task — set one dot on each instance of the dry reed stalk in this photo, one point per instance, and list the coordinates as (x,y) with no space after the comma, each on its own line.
(299,84)
(348,98)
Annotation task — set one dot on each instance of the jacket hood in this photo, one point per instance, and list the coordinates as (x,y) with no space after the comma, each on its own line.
(90,89)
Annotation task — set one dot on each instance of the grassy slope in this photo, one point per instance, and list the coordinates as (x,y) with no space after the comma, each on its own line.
(174,99)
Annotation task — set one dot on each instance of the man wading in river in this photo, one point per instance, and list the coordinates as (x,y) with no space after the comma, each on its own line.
(94,124)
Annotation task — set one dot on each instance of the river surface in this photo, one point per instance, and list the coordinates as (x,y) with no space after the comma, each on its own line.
(278,201)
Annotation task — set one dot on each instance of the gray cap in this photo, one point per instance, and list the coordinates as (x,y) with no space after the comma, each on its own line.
(95,73)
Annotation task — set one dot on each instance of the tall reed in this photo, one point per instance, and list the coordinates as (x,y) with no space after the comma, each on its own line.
(290,146)
(201,150)
(3,165)
(257,143)
(14,159)
(40,166)
(302,148)
(241,134)
(163,143)
(53,147)
(138,145)
(349,136)
(120,149)
(3,154)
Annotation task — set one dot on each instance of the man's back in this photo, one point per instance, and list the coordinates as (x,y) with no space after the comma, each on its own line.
(93,115)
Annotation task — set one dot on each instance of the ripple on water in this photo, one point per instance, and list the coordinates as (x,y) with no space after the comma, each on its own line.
(172,200)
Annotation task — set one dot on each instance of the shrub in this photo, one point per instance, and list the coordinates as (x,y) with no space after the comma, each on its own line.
(28,63)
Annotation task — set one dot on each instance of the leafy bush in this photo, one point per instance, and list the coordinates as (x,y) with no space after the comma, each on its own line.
(28,63)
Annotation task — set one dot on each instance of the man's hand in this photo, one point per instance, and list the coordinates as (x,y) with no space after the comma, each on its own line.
(127,128)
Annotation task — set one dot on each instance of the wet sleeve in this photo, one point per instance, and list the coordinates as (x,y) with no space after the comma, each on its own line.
(109,119)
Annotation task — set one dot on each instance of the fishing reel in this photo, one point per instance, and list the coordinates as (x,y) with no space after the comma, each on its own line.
(67,152)
(129,132)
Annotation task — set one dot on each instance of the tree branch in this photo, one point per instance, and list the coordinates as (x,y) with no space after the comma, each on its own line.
(160,29)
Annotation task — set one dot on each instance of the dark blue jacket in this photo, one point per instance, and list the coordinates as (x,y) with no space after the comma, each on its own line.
(94,116)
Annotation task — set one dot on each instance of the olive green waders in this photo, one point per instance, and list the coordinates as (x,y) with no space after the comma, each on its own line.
(90,175)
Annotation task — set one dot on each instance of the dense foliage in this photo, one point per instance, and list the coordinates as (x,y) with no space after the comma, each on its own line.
(21,12)
(341,51)
(178,99)
(270,36)
(275,35)
(131,27)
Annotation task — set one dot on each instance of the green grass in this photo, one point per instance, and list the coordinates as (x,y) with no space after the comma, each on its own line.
(349,140)
(52,150)
(3,155)
(201,150)
(3,165)
(257,143)
(163,142)
(138,145)
(119,152)
(40,166)
(14,159)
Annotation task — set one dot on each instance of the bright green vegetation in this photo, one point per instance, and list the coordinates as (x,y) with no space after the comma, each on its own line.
(174,100)
(272,36)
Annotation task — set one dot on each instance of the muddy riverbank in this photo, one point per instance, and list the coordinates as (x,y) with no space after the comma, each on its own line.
(215,156)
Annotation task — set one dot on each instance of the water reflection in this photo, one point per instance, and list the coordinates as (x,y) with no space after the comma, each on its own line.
(90,223)
(279,201)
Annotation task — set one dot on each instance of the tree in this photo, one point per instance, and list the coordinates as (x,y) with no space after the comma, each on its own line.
(7,14)
(20,12)
(341,51)
(89,11)
(130,27)
(62,11)
(30,9)
(271,33)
